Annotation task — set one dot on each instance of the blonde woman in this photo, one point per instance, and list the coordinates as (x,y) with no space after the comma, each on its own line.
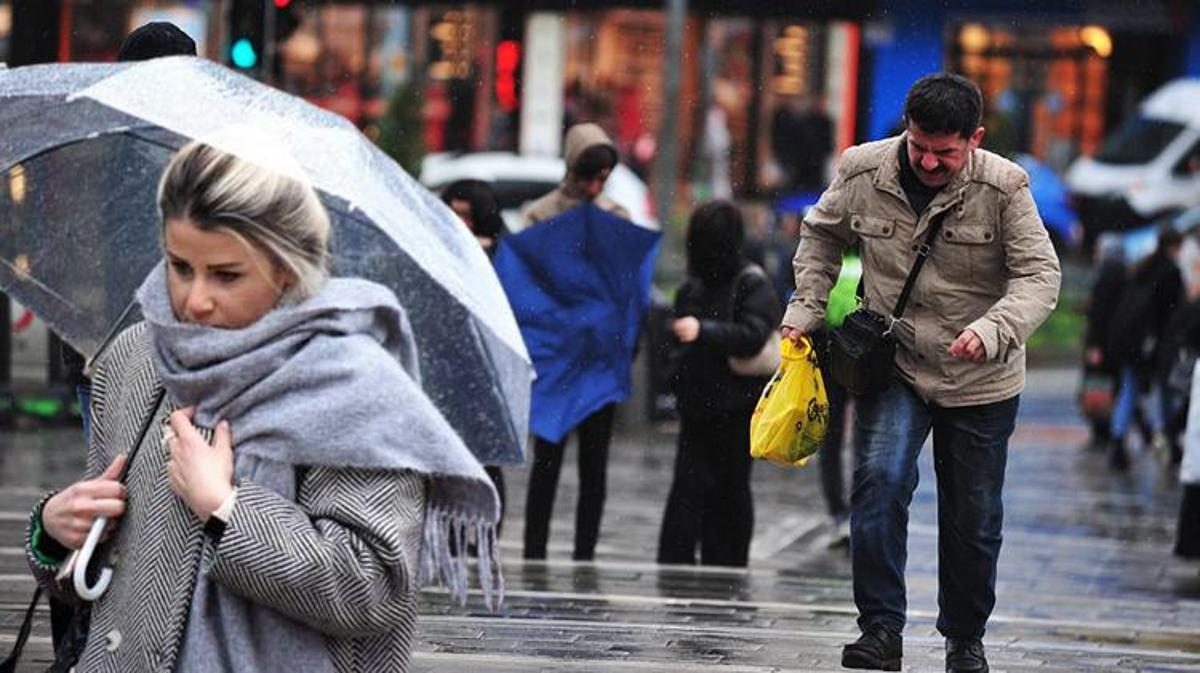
(295,485)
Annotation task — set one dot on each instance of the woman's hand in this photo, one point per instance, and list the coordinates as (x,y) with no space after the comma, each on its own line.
(68,516)
(686,329)
(202,475)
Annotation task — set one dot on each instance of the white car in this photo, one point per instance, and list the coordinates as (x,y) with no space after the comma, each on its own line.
(518,179)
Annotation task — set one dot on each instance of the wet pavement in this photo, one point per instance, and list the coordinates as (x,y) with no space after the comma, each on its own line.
(1087,581)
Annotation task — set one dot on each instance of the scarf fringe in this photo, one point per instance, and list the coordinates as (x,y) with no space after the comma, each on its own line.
(447,548)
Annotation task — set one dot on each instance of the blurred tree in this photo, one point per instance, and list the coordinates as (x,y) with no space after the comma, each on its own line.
(401,133)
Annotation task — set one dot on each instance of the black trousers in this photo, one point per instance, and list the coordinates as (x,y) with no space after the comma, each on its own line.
(595,434)
(710,501)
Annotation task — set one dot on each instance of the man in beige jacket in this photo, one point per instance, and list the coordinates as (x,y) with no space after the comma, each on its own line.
(991,279)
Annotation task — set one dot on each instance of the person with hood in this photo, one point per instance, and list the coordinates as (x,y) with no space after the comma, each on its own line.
(590,157)
(726,308)
(277,483)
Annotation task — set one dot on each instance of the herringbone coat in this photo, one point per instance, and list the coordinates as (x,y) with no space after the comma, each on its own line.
(340,559)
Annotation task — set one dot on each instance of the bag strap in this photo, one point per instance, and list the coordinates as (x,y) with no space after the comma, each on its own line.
(9,665)
(750,269)
(935,225)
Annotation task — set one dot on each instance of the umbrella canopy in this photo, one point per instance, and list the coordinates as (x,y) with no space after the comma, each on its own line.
(81,150)
(579,284)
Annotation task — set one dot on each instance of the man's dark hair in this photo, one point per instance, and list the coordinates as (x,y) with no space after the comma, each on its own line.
(485,210)
(944,103)
(155,39)
(594,160)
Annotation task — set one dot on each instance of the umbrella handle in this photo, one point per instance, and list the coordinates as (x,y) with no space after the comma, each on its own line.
(84,559)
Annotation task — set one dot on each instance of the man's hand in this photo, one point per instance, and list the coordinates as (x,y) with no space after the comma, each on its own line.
(686,329)
(200,474)
(791,333)
(968,346)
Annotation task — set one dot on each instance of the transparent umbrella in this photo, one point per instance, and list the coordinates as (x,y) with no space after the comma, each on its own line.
(81,149)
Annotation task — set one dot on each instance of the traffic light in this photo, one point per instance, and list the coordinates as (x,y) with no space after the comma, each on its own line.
(246,33)
(508,58)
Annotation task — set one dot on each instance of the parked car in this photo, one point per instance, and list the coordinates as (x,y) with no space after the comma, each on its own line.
(518,179)
(1148,166)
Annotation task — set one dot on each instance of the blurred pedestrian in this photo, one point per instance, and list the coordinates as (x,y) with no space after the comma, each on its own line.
(992,277)
(151,40)
(475,203)
(1134,339)
(1100,369)
(725,309)
(156,39)
(302,549)
(590,157)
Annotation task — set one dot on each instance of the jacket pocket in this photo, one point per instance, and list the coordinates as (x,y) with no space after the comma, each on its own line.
(966,249)
(872,227)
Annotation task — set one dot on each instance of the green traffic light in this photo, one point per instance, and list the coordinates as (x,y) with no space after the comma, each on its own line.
(243,54)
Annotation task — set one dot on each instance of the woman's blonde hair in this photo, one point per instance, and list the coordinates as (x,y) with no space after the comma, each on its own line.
(275,210)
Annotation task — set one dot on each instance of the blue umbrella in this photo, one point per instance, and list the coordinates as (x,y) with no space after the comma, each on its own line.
(1050,195)
(579,285)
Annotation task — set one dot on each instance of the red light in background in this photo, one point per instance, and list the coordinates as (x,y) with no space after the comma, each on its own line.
(282,4)
(508,57)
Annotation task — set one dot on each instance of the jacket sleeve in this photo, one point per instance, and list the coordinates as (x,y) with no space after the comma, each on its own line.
(342,559)
(44,573)
(824,235)
(755,316)
(1033,280)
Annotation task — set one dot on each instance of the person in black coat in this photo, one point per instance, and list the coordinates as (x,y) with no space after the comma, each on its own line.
(1134,337)
(1102,303)
(726,308)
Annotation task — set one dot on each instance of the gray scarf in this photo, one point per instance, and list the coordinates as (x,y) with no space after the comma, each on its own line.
(346,353)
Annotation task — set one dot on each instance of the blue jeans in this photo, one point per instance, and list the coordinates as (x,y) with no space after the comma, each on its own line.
(970,450)
(1129,397)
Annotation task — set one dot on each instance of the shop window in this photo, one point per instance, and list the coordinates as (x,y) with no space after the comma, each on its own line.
(1043,86)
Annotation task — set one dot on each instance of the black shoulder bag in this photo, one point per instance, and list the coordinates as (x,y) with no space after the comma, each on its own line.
(862,352)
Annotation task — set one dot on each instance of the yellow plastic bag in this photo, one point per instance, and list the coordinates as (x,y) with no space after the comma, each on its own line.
(789,422)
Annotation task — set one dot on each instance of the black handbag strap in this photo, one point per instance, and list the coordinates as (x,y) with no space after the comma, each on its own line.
(923,250)
(9,665)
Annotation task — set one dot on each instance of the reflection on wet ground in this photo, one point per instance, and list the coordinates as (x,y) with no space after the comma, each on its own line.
(1086,579)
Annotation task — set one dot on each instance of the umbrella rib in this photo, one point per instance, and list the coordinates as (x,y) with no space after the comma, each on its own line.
(22,274)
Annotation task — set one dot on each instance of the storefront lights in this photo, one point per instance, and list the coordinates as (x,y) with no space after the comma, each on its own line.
(974,38)
(1098,39)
